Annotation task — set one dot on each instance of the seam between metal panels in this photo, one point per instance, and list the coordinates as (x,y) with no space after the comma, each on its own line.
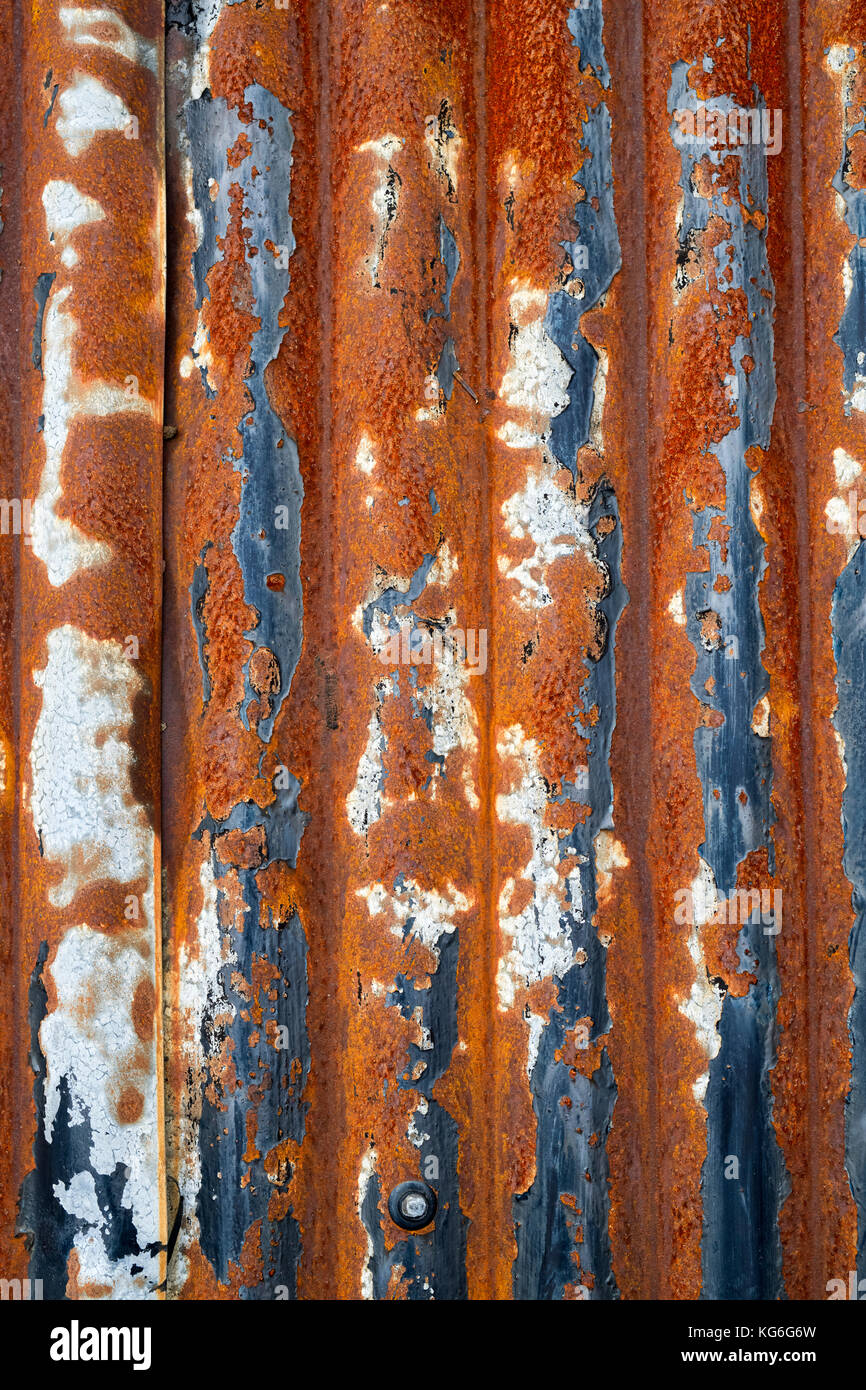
(848,643)
(805,587)
(740,1232)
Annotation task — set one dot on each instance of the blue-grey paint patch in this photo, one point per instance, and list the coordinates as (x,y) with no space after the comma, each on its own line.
(266,539)
(741,1244)
(574,1114)
(851,334)
(48,1229)
(450,258)
(182,15)
(849,646)
(433,1262)
(597,232)
(46,115)
(198,592)
(41,292)
(586,23)
(571,1142)
(235,1190)
(446,367)
(393,597)
(434,505)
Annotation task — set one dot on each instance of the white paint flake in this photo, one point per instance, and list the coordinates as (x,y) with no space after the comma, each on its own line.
(535,386)
(364,457)
(845,467)
(66,209)
(761,718)
(106,29)
(90,1041)
(557,525)
(539,934)
(63,547)
(366,1173)
(703,1007)
(431,912)
(364,801)
(83,806)
(676,608)
(201,997)
(86,109)
(385,197)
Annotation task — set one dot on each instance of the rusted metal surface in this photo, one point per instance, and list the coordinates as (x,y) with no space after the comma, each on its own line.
(507,835)
(81,737)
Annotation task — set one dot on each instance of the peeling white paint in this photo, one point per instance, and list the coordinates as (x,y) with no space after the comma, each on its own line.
(756,503)
(86,109)
(535,385)
(82,802)
(119,39)
(599,392)
(366,1173)
(441,686)
(415,1135)
(846,468)
(90,1040)
(703,1007)
(365,799)
(761,718)
(67,209)
(364,458)
(676,608)
(201,997)
(432,912)
(453,718)
(385,197)
(609,854)
(536,1025)
(557,524)
(444,567)
(839,56)
(57,542)
(844,518)
(841,750)
(540,939)
(78,1198)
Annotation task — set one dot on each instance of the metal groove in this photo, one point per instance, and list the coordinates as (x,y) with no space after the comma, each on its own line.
(431,728)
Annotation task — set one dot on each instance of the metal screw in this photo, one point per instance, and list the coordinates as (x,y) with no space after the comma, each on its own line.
(412,1205)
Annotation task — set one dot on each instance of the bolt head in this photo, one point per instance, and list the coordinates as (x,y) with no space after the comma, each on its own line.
(412,1205)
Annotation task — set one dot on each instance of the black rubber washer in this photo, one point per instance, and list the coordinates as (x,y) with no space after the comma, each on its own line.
(398,1197)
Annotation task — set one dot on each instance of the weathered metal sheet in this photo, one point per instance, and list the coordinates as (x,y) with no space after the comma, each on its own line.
(85,382)
(507,839)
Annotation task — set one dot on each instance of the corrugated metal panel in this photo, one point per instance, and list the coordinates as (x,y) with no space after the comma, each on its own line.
(84,384)
(507,837)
